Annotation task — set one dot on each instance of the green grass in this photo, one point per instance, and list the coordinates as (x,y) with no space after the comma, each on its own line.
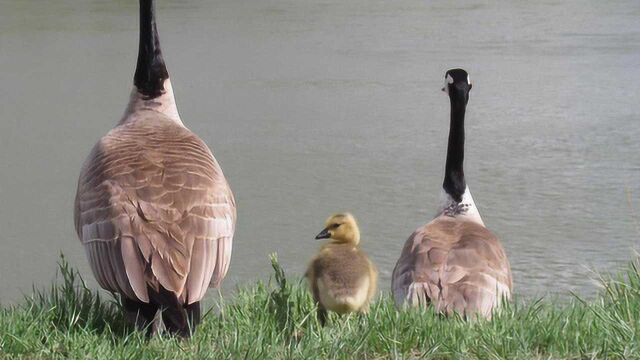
(278,321)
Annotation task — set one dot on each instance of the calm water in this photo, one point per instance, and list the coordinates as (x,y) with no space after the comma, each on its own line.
(314,107)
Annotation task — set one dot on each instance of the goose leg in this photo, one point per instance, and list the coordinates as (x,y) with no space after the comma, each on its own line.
(194,315)
(174,315)
(175,321)
(322,315)
(140,314)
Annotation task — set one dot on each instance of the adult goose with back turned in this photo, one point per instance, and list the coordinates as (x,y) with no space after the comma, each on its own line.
(454,263)
(153,209)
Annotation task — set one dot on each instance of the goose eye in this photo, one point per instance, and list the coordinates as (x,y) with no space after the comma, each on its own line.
(335,226)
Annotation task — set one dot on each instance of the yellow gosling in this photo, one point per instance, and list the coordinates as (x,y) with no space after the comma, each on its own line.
(341,276)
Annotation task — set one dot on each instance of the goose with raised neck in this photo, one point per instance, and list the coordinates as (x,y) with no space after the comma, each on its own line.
(153,209)
(453,263)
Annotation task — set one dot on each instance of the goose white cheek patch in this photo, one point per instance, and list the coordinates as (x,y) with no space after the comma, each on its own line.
(447,80)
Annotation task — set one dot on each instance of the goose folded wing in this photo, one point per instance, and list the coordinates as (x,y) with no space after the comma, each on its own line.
(148,220)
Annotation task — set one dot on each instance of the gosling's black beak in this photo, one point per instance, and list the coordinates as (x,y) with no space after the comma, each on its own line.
(324,234)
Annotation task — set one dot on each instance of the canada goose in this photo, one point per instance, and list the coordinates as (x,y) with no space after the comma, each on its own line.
(153,210)
(454,262)
(341,276)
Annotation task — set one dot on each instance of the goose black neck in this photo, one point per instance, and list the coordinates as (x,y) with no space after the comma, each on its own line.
(454,183)
(151,71)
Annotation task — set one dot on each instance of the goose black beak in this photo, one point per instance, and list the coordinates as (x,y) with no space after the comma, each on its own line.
(324,234)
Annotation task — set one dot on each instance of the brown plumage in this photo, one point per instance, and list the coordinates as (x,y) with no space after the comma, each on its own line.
(454,263)
(154,211)
(341,276)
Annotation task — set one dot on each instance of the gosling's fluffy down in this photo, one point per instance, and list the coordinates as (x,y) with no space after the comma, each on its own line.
(341,276)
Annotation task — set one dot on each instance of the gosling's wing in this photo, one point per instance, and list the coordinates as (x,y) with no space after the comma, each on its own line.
(373,282)
(311,276)
(153,208)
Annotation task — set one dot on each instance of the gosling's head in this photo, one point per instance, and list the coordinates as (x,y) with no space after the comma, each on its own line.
(341,228)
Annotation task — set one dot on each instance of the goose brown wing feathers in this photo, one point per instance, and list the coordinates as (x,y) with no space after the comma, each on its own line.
(454,265)
(154,209)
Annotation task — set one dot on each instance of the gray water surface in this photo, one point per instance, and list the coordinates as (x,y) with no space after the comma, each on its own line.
(313,107)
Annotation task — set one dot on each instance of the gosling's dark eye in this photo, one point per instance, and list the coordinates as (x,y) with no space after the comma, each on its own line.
(335,226)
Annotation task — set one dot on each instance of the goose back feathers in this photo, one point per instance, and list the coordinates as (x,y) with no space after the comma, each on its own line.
(455,266)
(154,209)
